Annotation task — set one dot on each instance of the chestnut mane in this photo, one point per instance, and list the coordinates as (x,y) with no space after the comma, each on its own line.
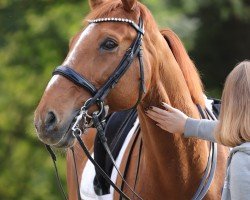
(187,66)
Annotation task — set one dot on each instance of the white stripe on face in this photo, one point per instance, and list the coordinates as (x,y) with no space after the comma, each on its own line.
(71,56)
(52,81)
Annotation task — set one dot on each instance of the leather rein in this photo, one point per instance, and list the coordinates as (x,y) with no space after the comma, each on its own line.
(97,119)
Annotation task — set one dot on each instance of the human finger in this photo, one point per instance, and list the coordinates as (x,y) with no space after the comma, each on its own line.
(168,107)
(159,120)
(155,114)
(162,127)
(159,110)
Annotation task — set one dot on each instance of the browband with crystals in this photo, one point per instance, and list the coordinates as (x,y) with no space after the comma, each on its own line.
(131,22)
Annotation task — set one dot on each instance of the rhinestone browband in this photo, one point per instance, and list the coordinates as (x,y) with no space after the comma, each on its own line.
(131,22)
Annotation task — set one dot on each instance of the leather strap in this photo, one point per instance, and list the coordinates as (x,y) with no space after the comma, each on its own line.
(76,174)
(138,164)
(103,139)
(128,159)
(127,156)
(76,78)
(100,170)
(59,182)
(211,165)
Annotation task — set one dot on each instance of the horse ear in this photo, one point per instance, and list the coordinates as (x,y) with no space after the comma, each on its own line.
(95,3)
(128,4)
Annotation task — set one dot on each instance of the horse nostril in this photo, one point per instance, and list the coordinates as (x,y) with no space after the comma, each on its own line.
(50,121)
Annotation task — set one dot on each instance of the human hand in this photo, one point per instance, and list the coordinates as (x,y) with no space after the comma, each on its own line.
(170,119)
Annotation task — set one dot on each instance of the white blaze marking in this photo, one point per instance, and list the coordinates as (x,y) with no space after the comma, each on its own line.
(71,56)
(84,34)
(52,81)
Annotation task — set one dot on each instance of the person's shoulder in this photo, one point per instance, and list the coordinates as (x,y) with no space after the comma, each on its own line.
(241,158)
(239,172)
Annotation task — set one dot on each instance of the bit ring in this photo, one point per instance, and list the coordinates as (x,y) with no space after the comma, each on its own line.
(98,102)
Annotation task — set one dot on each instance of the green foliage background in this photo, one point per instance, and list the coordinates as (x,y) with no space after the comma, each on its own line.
(34,39)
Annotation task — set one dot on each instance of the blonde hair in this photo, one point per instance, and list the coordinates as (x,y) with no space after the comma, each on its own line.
(234,120)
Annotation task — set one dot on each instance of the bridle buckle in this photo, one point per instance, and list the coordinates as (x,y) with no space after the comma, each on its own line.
(77,128)
(99,103)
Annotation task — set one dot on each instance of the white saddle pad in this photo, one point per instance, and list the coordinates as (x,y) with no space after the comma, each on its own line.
(87,187)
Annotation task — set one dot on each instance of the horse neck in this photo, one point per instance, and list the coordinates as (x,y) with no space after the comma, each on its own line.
(185,157)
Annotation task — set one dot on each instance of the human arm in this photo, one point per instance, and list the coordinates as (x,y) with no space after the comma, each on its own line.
(200,128)
(175,121)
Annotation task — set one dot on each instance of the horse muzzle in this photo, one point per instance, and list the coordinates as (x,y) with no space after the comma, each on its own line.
(53,131)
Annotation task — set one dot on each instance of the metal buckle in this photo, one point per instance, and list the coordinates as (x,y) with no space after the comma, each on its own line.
(99,103)
(76,127)
(83,115)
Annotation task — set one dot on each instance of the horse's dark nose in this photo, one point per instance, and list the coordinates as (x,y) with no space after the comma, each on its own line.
(50,121)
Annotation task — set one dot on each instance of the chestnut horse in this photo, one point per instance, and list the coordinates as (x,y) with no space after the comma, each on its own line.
(171,166)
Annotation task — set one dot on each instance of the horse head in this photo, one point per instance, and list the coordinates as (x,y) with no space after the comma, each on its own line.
(94,53)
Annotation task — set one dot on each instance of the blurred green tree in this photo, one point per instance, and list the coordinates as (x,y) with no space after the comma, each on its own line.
(222,39)
(33,39)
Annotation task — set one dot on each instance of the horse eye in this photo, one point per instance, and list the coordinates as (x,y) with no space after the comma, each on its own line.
(109,44)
